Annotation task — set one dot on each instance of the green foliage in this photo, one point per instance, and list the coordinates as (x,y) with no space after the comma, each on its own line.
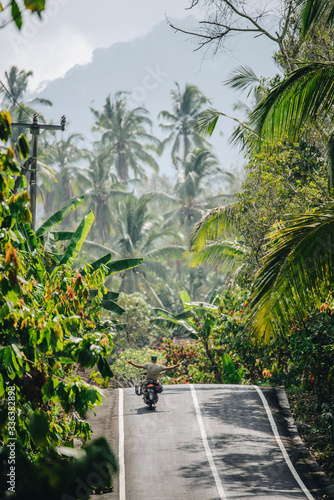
(288,180)
(311,348)
(124,133)
(36,6)
(65,473)
(50,322)
(197,321)
(187,106)
(138,330)
(278,185)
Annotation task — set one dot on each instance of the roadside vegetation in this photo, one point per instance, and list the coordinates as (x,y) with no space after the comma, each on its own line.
(231,277)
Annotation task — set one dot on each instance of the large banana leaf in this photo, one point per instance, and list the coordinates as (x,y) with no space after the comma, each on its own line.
(185,299)
(62,235)
(78,238)
(93,266)
(30,237)
(59,216)
(183,327)
(111,306)
(123,265)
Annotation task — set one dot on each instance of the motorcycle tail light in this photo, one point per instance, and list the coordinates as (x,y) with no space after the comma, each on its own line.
(151,385)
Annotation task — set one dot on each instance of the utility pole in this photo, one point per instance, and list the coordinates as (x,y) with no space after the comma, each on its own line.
(34,130)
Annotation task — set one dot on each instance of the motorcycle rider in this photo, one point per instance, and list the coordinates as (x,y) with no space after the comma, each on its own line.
(153,369)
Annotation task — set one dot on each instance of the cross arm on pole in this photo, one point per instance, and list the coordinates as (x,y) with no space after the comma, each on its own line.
(34,129)
(34,126)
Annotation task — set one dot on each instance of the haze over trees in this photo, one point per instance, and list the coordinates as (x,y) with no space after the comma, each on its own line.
(124,260)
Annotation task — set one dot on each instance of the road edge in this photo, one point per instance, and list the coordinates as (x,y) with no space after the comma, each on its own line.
(299,444)
(107,426)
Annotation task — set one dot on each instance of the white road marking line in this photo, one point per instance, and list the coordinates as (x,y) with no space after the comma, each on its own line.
(281,445)
(206,445)
(121,446)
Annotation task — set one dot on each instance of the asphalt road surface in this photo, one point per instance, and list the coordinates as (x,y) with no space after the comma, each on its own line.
(209,442)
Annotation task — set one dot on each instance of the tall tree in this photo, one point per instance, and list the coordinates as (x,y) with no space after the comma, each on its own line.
(225,18)
(102,190)
(193,191)
(13,94)
(124,133)
(63,156)
(16,84)
(139,232)
(187,106)
(297,271)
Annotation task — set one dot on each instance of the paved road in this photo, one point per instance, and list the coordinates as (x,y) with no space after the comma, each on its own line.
(209,442)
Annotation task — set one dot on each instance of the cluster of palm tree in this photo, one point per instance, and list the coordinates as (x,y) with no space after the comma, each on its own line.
(296,274)
(133,219)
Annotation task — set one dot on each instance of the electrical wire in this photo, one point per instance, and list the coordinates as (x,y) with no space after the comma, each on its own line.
(17,103)
(52,136)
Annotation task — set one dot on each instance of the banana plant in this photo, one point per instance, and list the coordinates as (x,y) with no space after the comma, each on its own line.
(197,321)
(43,244)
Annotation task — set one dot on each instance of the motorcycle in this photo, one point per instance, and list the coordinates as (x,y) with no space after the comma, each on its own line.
(149,389)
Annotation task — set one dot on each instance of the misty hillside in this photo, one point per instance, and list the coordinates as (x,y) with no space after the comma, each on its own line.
(147,67)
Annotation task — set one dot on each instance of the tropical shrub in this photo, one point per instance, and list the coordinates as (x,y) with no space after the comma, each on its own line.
(50,324)
(138,330)
(312,353)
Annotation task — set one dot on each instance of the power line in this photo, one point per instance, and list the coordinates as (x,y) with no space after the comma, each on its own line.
(17,103)
(52,136)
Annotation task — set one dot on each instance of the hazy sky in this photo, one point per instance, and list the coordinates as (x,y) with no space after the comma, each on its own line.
(71,29)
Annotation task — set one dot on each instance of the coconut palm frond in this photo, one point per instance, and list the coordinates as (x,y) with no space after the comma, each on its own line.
(219,253)
(207,121)
(244,133)
(245,137)
(303,96)
(158,269)
(242,78)
(152,294)
(171,252)
(213,225)
(39,100)
(312,11)
(296,273)
(48,171)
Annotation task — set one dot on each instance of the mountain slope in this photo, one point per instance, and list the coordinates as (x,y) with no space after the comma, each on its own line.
(147,68)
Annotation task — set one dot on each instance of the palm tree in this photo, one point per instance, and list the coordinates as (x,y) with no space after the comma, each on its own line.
(100,187)
(16,84)
(301,103)
(200,171)
(186,109)
(140,233)
(124,134)
(63,156)
(215,240)
(14,97)
(297,273)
